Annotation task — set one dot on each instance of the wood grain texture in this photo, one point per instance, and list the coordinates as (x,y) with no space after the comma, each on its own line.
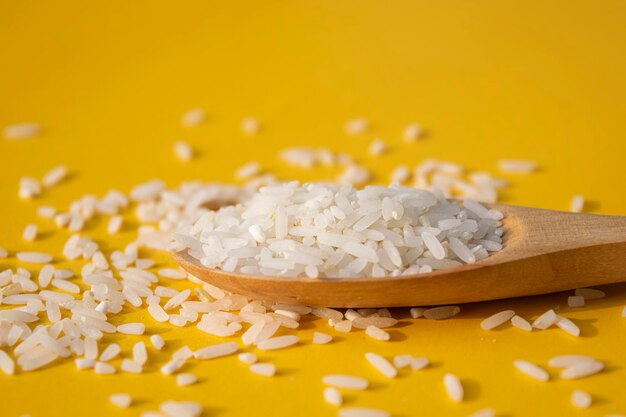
(544,251)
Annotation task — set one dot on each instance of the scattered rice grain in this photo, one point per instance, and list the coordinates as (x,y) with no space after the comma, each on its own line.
(333,396)
(362,412)
(442,313)
(590,293)
(577,204)
(381,364)
(54,176)
(453,387)
(265,369)
(18,131)
(120,400)
(497,319)
(377,333)
(183,380)
(581,399)
(582,369)
(345,381)
(521,323)
(531,370)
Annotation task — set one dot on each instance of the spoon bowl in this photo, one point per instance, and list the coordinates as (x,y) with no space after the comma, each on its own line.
(543,251)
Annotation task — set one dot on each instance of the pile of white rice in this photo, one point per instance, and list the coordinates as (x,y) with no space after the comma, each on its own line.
(317,230)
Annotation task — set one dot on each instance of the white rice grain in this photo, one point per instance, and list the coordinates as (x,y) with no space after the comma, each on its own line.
(157,341)
(103,368)
(381,364)
(17,316)
(517,166)
(412,132)
(30,232)
(114,225)
(247,357)
(577,204)
(54,176)
(91,348)
(400,174)
(332,396)
(132,367)
(19,131)
(345,381)
(6,363)
(362,412)
(47,212)
(377,147)
(193,117)
(140,354)
(183,150)
(442,313)
(582,369)
(377,333)
(484,412)
(279,342)
(180,409)
(453,387)
(356,126)
(576,301)
(419,363)
(110,352)
(29,188)
(177,300)
(521,323)
(172,273)
(354,175)
(417,312)
(250,126)
(590,293)
(65,285)
(497,319)
(320,338)
(327,313)
(531,370)
(216,351)
(37,360)
(247,171)
(265,369)
(170,367)
(581,399)
(402,361)
(82,363)
(546,320)
(131,328)
(433,245)
(568,326)
(183,380)
(288,313)
(34,257)
(183,353)
(45,275)
(147,190)
(565,361)
(158,313)
(120,400)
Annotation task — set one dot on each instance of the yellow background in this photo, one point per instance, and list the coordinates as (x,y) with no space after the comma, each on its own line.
(488,79)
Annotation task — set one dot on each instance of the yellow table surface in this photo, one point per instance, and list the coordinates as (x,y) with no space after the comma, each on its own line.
(109,81)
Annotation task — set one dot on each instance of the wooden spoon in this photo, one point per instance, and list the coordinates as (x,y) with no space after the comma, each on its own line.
(544,251)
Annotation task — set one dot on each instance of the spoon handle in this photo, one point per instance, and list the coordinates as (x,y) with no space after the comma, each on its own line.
(530,231)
